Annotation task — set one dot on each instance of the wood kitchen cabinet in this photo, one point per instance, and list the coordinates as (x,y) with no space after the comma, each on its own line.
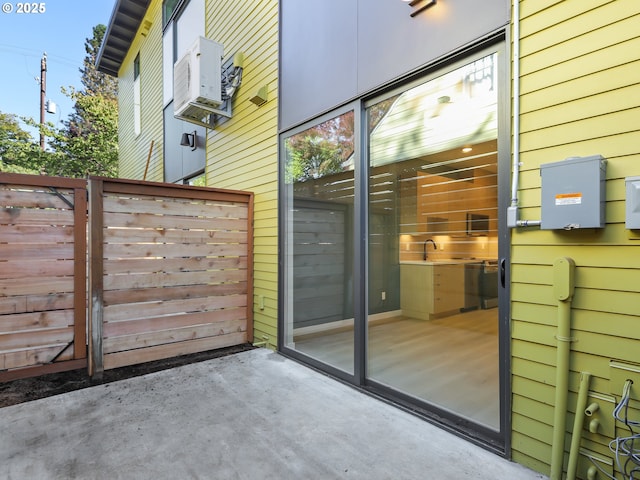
(429,290)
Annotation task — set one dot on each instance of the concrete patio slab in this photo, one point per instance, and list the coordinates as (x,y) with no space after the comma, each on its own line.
(252,415)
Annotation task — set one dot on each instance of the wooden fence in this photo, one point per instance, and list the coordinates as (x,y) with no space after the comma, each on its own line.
(42,275)
(170,272)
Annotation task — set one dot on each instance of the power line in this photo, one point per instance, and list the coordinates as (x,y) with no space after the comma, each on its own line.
(28,52)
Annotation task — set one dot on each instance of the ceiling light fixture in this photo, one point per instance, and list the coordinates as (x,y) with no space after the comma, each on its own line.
(419,5)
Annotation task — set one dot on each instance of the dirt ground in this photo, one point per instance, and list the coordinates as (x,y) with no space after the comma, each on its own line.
(27,389)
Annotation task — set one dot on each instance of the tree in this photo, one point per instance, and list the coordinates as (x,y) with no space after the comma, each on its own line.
(88,146)
(88,142)
(19,153)
(328,147)
(321,150)
(96,82)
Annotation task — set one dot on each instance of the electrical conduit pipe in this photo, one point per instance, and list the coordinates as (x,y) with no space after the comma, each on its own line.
(563,288)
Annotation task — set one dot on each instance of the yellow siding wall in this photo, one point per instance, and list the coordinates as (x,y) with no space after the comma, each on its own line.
(580,96)
(242,152)
(134,150)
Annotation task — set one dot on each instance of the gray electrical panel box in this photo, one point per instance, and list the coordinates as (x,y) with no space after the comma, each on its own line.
(573,193)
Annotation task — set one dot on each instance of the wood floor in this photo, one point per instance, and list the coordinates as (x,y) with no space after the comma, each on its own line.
(451,362)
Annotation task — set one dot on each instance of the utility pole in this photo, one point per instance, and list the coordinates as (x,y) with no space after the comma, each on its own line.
(43,94)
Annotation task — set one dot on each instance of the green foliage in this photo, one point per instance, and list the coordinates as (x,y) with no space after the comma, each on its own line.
(93,81)
(89,146)
(327,148)
(19,153)
(312,156)
(321,150)
(88,143)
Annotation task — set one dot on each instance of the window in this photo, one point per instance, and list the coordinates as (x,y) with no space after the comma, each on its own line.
(168,8)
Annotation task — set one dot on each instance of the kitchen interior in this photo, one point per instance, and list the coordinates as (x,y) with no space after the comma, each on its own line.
(448,235)
(441,344)
(433,281)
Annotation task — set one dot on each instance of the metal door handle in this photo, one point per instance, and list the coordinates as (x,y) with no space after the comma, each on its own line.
(503,271)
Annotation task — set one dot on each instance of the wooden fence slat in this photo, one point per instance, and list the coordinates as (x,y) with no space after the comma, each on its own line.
(28,251)
(115,313)
(167,221)
(30,216)
(193,264)
(123,250)
(27,197)
(53,301)
(178,334)
(176,207)
(30,286)
(36,320)
(36,233)
(136,188)
(131,327)
(164,235)
(121,359)
(37,268)
(159,279)
(114,297)
(35,303)
(35,338)
(35,356)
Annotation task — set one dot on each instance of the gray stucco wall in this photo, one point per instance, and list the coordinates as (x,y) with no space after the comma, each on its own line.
(332,51)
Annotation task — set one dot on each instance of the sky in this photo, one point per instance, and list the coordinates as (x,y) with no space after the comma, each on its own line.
(60,31)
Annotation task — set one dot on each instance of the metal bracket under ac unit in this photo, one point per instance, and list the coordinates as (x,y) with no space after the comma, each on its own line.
(231,80)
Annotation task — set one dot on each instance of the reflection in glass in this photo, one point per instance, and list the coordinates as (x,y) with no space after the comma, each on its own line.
(319,197)
(433,321)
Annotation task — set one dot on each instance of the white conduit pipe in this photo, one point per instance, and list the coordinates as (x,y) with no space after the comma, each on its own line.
(516,104)
(512,211)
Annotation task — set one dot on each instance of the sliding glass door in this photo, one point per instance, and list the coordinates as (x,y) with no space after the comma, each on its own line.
(433,238)
(319,213)
(390,244)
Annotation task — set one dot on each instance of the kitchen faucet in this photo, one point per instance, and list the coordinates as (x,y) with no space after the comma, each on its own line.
(424,248)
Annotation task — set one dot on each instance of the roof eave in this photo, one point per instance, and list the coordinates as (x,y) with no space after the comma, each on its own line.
(125,21)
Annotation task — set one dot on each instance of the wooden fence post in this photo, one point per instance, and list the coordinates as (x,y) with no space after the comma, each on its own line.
(96,290)
(80,269)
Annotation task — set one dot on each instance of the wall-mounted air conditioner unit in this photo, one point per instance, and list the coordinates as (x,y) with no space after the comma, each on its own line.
(197,82)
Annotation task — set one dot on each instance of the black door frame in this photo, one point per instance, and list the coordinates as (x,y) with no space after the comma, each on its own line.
(496,441)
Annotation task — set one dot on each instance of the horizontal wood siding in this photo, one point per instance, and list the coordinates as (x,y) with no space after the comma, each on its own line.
(580,96)
(134,150)
(176,270)
(242,152)
(42,275)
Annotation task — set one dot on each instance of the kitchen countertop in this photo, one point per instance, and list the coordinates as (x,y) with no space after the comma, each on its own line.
(445,261)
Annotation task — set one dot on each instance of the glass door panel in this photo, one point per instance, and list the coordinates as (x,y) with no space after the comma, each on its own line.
(319,199)
(433,243)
